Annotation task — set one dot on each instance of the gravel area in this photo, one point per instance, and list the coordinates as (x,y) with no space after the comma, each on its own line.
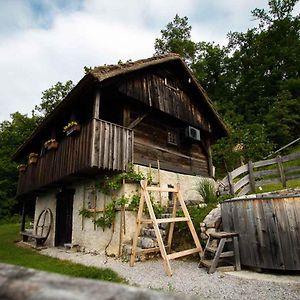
(189,279)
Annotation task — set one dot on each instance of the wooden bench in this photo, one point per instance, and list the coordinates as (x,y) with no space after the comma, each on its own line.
(42,228)
(39,240)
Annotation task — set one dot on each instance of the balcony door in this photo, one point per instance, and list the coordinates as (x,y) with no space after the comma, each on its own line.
(64,217)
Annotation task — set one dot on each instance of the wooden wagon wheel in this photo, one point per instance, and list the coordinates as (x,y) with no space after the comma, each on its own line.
(44,223)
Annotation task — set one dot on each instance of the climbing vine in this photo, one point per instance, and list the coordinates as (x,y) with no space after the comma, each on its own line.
(109,186)
(114,183)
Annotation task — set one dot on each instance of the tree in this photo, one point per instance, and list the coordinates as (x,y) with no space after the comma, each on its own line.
(176,38)
(263,58)
(12,134)
(54,95)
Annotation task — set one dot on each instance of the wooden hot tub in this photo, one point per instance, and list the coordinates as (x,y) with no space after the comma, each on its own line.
(268,227)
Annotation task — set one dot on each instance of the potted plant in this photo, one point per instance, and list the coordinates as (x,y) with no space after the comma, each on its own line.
(21,168)
(51,144)
(72,128)
(33,158)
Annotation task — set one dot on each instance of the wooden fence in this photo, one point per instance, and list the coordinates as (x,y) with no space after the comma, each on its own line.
(252,175)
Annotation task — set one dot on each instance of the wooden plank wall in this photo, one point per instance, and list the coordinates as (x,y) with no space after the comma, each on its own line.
(171,98)
(72,155)
(150,145)
(113,146)
(268,231)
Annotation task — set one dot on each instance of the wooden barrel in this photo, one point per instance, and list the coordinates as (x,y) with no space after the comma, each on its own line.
(269,230)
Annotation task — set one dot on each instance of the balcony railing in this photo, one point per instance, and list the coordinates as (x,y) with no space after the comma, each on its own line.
(100,144)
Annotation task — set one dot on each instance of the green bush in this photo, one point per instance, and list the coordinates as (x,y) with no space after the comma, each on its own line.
(207,190)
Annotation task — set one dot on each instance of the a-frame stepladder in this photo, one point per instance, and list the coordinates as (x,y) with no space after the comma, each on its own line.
(145,197)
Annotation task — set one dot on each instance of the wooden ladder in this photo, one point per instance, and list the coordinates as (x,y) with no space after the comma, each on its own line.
(145,197)
(218,253)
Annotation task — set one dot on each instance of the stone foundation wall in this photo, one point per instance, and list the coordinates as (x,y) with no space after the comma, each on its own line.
(93,239)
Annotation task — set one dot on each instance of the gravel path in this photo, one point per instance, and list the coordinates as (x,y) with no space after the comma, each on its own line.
(189,279)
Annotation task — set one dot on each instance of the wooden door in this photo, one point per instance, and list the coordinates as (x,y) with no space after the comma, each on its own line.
(64,217)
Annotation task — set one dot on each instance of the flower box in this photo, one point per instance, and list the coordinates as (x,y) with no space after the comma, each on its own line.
(22,168)
(51,144)
(33,158)
(74,130)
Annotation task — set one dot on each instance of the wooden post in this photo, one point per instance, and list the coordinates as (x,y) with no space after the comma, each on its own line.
(95,207)
(126,116)
(96,108)
(137,230)
(172,225)
(158,175)
(96,115)
(251,177)
(83,206)
(23,216)
(230,182)
(210,161)
(281,171)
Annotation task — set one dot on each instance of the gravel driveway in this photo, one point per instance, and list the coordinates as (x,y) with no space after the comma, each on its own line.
(189,279)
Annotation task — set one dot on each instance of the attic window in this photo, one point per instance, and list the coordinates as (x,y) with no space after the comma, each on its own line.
(176,89)
(172,138)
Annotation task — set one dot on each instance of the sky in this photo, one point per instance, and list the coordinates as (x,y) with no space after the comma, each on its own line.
(46,41)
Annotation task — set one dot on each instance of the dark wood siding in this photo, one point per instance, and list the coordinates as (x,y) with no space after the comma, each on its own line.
(100,144)
(113,146)
(72,155)
(170,97)
(150,145)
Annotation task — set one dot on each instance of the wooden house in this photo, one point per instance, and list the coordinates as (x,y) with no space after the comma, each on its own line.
(152,111)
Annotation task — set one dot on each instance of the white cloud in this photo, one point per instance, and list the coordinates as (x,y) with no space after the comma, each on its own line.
(37,50)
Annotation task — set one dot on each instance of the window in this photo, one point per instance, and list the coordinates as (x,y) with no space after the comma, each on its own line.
(172,138)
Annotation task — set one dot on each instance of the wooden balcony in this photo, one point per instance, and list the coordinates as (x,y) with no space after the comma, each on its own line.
(100,145)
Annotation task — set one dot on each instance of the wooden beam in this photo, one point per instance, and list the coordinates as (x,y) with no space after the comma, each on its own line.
(96,107)
(170,220)
(159,189)
(210,161)
(184,253)
(137,121)
(126,116)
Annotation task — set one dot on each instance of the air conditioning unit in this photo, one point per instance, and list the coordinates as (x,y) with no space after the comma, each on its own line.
(192,133)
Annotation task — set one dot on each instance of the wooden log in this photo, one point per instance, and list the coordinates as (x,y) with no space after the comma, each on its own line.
(251,177)
(281,170)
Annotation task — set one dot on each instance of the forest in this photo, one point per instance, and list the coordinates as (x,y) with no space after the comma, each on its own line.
(253,82)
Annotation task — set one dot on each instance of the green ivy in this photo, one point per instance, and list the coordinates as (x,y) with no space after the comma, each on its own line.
(114,183)
(134,202)
(108,217)
(85,213)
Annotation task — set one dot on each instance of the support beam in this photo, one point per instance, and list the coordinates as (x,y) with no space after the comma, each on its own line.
(126,116)
(137,121)
(23,215)
(96,107)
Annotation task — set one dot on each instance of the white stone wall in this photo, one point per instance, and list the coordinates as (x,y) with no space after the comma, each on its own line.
(93,239)
(43,202)
(187,183)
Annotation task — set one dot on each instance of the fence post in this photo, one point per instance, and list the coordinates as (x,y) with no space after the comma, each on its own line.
(230,181)
(281,171)
(251,176)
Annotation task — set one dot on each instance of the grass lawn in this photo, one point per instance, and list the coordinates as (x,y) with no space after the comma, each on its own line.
(277,187)
(12,254)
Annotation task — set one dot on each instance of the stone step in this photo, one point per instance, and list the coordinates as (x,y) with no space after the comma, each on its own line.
(146,242)
(150,232)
